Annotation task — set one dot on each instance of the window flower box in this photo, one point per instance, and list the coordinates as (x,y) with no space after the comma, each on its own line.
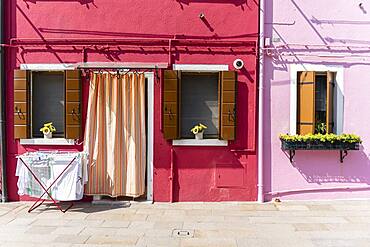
(343,143)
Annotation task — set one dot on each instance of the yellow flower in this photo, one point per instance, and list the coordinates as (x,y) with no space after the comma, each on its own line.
(202,126)
(48,127)
(195,130)
(45,130)
(198,128)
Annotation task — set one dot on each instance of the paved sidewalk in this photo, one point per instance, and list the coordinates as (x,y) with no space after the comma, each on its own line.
(326,223)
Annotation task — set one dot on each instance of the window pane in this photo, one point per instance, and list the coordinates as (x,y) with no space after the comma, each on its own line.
(199,104)
(47,102)
(320,104)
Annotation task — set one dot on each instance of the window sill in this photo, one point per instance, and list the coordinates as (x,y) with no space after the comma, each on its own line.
(44,141)
(204,142)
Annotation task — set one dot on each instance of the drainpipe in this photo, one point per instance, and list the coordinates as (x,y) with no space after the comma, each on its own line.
(171,174)
(260,103)
(2,109)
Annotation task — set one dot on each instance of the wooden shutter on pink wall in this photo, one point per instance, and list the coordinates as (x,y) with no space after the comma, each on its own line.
(21,104)
(227,103)
(171,105)
(330,82)
(72,104)
(306,103)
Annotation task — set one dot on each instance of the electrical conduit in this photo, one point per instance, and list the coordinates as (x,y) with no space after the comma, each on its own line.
(4,197)
(260,198)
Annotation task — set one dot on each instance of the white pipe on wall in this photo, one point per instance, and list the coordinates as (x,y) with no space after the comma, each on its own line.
(260,102)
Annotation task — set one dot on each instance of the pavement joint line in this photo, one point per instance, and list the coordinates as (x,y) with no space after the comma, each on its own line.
(85,242)
(83,228)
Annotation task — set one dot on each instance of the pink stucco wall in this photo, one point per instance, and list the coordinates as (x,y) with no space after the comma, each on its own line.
(195,168)
(333,23)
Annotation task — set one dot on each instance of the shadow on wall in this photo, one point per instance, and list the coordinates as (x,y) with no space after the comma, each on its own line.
(82,2)
(323,167)
(235,2)
(86,3)
(239,3)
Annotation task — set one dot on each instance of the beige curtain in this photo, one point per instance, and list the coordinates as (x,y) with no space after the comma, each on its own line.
(115,136)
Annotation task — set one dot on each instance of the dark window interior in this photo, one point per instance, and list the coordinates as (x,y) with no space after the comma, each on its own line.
(47,102)
(320,99)
(199,103)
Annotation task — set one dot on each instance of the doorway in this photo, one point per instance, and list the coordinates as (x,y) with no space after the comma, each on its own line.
(119,135)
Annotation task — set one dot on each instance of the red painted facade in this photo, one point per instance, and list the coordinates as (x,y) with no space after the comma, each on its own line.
(163,31)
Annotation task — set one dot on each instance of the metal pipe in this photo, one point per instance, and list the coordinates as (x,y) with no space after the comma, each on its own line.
(160,102)
(87,41)
(260,198)
(171,175)
(169,53)
(4,196)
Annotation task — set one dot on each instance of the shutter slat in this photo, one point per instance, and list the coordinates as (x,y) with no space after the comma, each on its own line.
(170,113)
(306,103)
(72,105)
(227,98)
(329,101)
(21,104)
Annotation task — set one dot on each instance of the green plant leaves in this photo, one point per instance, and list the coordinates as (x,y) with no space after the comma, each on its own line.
(348,138)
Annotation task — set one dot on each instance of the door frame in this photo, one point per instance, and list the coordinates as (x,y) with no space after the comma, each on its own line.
(150,135)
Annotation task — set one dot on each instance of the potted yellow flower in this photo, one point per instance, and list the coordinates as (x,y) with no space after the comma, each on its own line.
(198,130)
(48,130)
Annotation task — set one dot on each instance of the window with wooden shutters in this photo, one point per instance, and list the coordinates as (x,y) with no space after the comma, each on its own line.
(21,104)
(41,97)
(190,98)
(315,102)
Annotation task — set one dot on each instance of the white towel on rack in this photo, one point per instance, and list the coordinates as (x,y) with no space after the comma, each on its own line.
(70,185)
(27,185)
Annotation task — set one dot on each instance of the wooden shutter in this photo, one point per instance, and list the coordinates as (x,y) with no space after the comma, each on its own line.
(227,117)
(21,104)
(330,82)
(72,104)
(171,105)
(306,103)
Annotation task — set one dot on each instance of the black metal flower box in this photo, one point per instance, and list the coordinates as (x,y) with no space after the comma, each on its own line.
(343,147)
(318,145)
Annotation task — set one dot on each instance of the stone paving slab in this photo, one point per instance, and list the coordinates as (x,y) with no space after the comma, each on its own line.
(237,224)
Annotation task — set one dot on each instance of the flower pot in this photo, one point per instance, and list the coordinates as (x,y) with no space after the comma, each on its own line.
(199,136)
(48,135)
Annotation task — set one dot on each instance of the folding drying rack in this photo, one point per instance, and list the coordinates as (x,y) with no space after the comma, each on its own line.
(46,190)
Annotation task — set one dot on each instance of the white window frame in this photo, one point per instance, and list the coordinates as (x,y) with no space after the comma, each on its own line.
(338,94)
(200,68)
(46,67)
